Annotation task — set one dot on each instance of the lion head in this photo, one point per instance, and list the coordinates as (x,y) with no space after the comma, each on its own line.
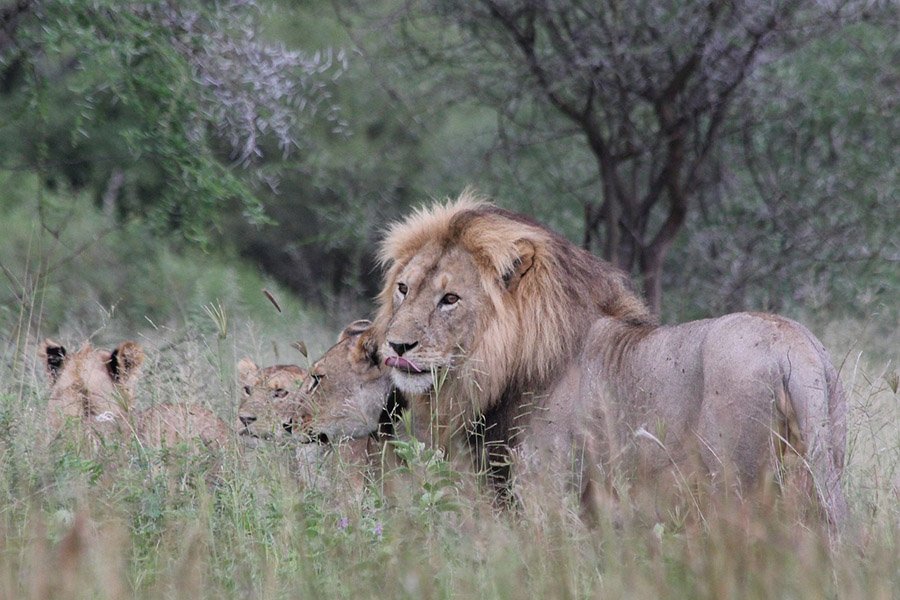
(269,399)
(348,388)
(489,304)
(94,386)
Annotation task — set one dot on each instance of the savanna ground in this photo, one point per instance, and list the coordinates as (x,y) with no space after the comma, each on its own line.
(131,522)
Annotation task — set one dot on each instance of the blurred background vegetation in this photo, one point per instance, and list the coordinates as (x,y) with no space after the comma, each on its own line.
(159,156)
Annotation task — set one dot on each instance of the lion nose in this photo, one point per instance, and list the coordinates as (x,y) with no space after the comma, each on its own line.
(401,347)
(246,419)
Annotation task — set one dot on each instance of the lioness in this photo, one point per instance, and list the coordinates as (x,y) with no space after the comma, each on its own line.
(350,401)
(278,403)
(349,390)
(486,318)
(96,388)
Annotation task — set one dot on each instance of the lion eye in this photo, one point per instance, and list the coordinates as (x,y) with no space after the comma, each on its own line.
(449,299)
(247,390)
(402,288)
(314,381)
(279,393)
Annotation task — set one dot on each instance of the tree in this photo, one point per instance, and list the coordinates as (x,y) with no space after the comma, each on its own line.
(646,86)
(803,205)
(157,105)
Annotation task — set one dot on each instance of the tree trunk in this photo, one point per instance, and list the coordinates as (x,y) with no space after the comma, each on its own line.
(651,264)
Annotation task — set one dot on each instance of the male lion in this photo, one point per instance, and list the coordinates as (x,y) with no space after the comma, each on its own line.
(486,320)
(96,388)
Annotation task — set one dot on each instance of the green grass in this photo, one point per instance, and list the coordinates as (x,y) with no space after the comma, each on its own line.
(125,523)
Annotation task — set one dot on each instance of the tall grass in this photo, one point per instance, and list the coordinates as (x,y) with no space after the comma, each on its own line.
(123,521)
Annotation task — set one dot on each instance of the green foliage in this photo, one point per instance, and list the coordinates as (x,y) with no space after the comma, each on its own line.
(168,98)
(76,271)
(436,477)
(111,152)
(743,247)
(154,523)
(131,100)
(132,110)
(110,142)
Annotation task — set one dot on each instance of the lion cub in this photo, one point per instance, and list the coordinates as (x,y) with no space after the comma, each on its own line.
(96,388)
(269,400)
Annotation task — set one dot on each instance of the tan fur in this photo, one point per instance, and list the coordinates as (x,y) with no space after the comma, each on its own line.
(726,397)
(484,319)
(276,403)
(345,398)
(168,424)
(269,400)
(527,299)
(95,388)
(348,389)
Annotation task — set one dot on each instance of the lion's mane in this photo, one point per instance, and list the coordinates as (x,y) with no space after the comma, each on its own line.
(533,332)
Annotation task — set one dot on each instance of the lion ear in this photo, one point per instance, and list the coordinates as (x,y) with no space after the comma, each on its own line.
(354,329)
(363,347)
(247,371)
(53,355)
(125,362)
(521,265)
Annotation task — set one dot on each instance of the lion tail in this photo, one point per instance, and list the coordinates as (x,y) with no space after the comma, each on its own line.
(820,407)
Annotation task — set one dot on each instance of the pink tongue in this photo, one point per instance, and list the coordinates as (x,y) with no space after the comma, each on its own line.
(398,362)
